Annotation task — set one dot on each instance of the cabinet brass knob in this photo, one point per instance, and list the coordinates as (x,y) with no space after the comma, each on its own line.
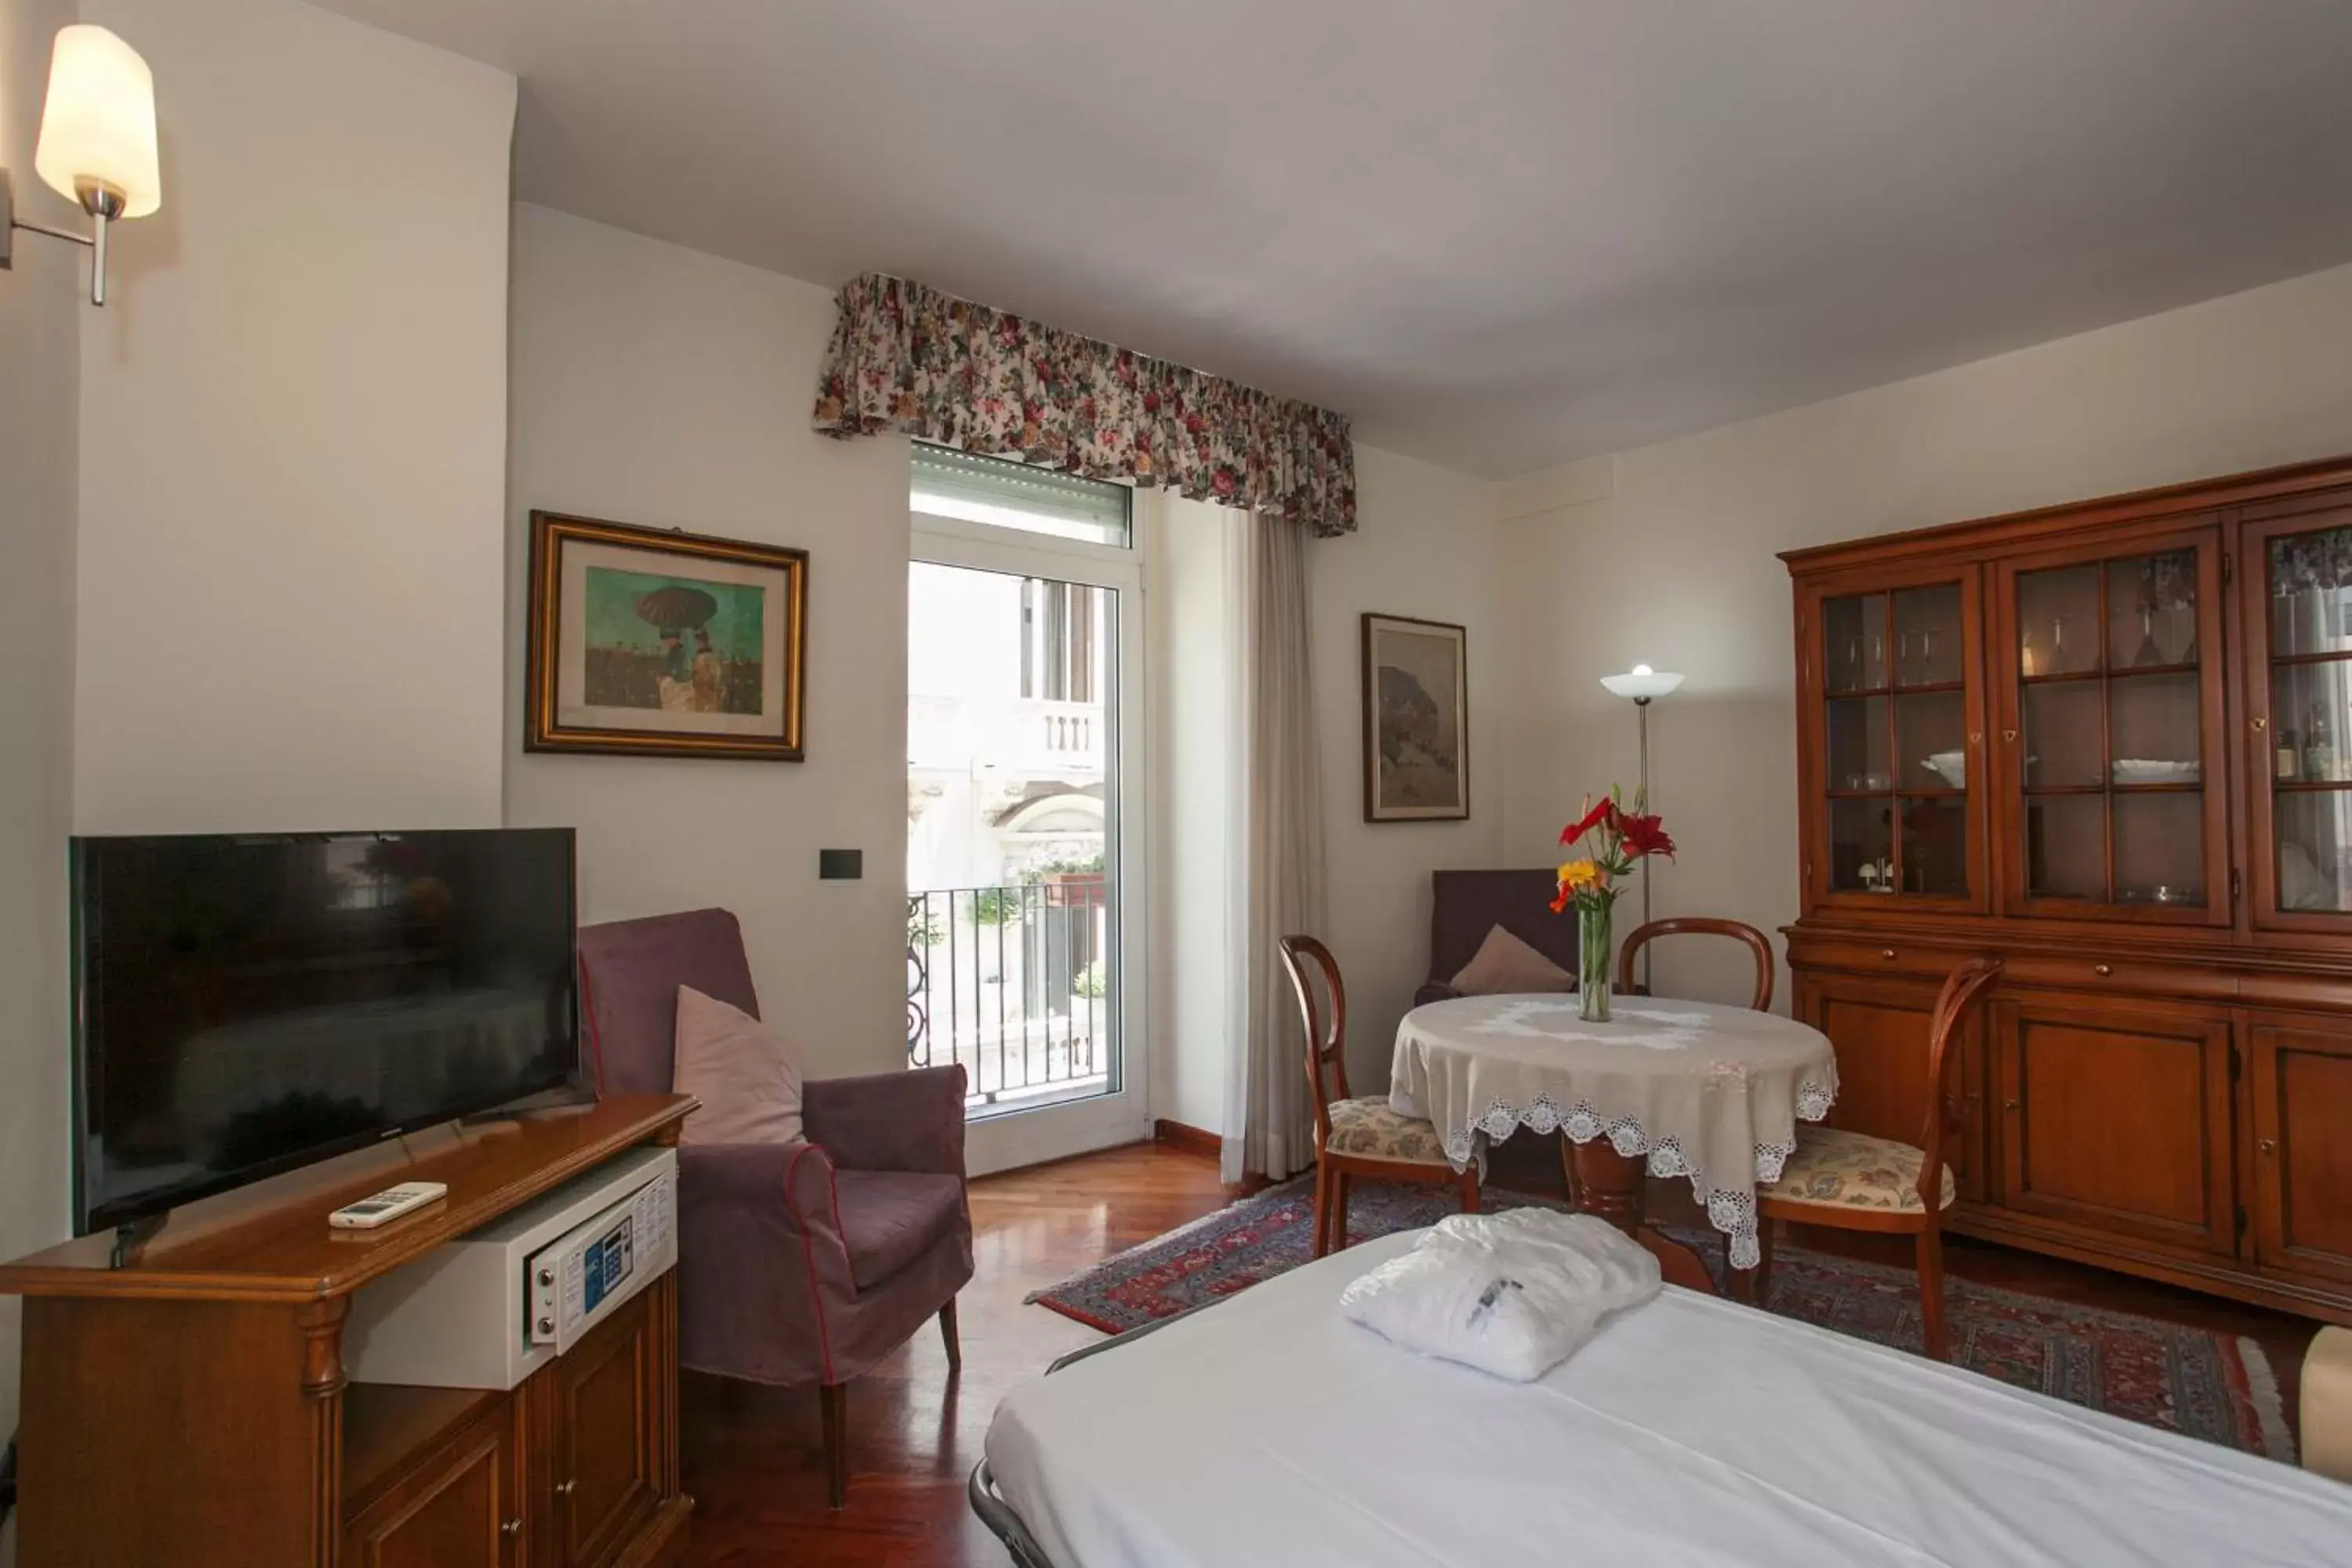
(563,1489)
(2261,725)
(2102,969)
(1887,954)
(2268,1145)
(1976,737)
(2009,1105)
(2009,735)
(511,1527)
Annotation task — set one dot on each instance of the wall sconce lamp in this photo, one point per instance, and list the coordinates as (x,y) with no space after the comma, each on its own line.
(97,143)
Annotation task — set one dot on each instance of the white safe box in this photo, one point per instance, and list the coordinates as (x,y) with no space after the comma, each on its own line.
(494,1306)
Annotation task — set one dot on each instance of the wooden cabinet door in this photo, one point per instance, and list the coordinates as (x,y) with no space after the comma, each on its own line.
(2111,749)
(460,1508)
(1890,739)
(1880,1029)
(602,1411)
(2295,660)
(2301,1071)
(2117,1117)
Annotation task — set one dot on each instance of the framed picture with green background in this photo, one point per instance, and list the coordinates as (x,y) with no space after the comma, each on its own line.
(652,642)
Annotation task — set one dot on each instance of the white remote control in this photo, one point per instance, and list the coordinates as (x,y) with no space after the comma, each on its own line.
(380,1208)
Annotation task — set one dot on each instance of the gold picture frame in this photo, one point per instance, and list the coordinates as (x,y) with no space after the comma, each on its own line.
(650,642)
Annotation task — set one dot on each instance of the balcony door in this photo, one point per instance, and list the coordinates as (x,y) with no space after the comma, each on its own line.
(1025,831)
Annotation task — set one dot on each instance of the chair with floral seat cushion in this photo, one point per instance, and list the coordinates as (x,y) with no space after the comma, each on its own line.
(1852,1180)
(1355,1137)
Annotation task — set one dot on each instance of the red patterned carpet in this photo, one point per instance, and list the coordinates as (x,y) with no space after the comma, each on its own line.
(2189,1380)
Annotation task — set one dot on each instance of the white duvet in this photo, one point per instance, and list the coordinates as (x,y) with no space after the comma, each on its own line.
(1689,1434)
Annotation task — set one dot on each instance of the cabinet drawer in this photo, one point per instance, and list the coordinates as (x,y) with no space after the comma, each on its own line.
(2126,977)
(1894,957)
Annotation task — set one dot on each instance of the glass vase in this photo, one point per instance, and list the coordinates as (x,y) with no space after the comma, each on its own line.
(1592,977)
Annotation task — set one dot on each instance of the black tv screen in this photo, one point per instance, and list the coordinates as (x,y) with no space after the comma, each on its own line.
(247,1004)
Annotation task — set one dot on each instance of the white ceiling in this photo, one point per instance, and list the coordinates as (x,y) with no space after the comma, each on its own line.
(1501,233)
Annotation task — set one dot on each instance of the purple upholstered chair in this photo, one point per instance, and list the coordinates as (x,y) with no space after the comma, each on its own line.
(798,1263)
(1467,905)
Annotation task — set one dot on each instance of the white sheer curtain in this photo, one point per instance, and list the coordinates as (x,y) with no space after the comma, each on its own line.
(1269,1123)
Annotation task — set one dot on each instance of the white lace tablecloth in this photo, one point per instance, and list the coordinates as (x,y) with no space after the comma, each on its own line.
(1709,1092)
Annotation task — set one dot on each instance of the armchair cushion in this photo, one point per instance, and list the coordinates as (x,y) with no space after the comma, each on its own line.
(889,1218)
(1505,964)
(746,1076)
(1466,905)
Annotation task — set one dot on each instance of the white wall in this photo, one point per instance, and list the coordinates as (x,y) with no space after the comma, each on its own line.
(1671,559)
(1196,650)
(1424,547)
(40,353)
(656,386)
(292,477)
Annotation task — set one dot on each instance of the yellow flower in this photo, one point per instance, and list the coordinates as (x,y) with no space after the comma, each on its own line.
(1578,875)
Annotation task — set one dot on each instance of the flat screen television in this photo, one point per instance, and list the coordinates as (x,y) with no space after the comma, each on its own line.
(245,1003)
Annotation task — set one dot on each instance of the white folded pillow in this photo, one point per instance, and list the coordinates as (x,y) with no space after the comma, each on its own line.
(1512,1294)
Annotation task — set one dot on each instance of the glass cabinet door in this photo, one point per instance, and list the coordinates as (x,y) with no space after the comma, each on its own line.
(1898,725)
(2111,706)
(2299,700)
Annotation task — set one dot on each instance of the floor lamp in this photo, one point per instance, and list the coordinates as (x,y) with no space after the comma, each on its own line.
(1644,686)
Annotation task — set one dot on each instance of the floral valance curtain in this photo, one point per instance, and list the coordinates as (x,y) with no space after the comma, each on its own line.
(909,358)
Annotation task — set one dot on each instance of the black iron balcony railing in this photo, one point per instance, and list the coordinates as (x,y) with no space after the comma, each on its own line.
(1013,982)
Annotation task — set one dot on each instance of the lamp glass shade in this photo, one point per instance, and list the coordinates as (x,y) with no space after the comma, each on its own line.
(100,120)
(1642,684)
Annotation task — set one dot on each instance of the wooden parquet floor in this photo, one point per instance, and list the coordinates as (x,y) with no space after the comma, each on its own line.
(753,1459)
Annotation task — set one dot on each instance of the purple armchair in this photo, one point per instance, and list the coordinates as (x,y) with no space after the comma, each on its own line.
(1467,905)
(798,1263)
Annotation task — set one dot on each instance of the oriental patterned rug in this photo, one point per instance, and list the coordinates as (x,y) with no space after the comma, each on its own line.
(2189,1380)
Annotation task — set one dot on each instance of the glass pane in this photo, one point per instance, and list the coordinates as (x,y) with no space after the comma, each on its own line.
(2315,850)
(949,483)
(2152,610)
(1862,850)
(2153,720)
(1854,642)
(2058,621)
(1927,636)
(1013,821)
(2065,846)
(2310,705)
(2063,744)
(1933,732)
(2311,592)
(1936,846)
(2160,849)
(1857,743)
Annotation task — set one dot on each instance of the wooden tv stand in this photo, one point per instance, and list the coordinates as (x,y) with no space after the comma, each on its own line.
(189,1407)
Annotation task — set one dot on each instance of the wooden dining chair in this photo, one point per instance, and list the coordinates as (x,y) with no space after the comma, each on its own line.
(1642,935)
(1852,1180)
(1355,1137)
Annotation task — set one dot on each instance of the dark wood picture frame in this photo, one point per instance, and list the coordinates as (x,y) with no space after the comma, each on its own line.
(1375,808)
(545,729)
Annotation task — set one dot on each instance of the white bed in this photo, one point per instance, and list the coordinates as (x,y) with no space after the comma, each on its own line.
(1691,1434)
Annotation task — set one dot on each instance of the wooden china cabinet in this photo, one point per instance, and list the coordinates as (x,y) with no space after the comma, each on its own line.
(2111,742)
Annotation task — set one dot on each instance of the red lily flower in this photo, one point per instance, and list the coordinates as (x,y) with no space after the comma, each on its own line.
(1645,835)
(1603,810)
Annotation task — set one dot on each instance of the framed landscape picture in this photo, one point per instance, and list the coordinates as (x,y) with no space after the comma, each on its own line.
(1416,721)
(644,642)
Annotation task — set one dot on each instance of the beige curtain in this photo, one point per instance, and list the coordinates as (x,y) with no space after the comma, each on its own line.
(1282,837)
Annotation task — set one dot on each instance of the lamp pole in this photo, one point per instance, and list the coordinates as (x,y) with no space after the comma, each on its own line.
(1644,686)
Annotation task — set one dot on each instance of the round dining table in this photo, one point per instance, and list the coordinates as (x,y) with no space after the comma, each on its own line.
(1664,1088)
